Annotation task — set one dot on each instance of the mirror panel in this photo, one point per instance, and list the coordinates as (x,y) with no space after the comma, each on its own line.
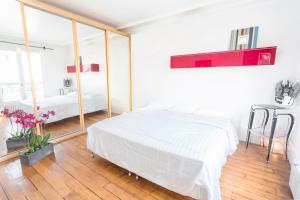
(119,73)
(91,49)
(53,65)
(15,85)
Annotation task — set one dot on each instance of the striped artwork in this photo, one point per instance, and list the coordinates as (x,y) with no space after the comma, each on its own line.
(245,38)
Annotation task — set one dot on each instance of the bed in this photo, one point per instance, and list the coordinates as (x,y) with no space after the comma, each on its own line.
(66,106)
(181,151)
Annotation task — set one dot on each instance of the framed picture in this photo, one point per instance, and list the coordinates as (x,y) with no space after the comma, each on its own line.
(244,38)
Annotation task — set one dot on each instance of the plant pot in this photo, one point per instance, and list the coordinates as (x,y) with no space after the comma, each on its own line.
(16,143)
(36,156)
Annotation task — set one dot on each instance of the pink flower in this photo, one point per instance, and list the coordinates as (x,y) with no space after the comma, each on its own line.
(5,112)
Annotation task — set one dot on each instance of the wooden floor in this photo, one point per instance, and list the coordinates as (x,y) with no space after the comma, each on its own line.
(57,129)
(73,174)
(72,124)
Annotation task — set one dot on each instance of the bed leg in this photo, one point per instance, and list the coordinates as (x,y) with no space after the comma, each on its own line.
(92,155)
(129,173)
(136,177)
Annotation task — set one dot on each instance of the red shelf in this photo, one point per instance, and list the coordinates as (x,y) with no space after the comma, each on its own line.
(89,68)
(246,57)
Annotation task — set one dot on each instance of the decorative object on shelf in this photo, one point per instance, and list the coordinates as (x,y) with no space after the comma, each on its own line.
(286,92)
(67,82)
(23,124)
(246,57)
(84,68)
(244,38)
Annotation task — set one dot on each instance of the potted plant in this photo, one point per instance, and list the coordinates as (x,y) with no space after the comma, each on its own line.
(38,145)
(19,129)
(22,125)
(38,148)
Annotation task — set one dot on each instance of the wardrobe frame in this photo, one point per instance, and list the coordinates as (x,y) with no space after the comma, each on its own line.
(74,18)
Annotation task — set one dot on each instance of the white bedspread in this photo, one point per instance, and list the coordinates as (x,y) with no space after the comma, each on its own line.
(180,151)
(66,106)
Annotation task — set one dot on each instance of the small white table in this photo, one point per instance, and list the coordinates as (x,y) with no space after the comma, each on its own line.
(295,180)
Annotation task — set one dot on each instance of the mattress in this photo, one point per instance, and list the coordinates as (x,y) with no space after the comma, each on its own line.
(66,106)
(183,152)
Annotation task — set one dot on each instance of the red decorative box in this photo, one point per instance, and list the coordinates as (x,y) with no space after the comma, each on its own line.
(90,68)
(245,57)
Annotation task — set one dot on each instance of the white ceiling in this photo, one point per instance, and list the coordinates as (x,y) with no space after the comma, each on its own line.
(125,13)
(42,27)
(47,28)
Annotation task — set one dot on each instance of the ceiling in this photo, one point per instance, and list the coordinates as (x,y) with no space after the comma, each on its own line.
(42,27)
(126,13)
(47,28)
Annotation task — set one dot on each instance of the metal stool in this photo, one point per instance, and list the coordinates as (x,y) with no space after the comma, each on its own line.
(266,109)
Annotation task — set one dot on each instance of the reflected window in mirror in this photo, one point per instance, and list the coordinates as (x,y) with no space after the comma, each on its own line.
(91,49)
(51,52)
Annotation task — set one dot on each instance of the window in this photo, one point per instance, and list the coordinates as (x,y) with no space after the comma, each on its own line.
(36,71)
(10,86)
(14,75)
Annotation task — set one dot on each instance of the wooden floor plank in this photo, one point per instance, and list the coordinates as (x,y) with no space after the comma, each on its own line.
(65,184)
(15,184)
(119,192)
(3,194)
(41,184)
(87,177)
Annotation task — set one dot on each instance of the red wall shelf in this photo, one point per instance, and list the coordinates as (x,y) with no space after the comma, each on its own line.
(89,68)
(245,57)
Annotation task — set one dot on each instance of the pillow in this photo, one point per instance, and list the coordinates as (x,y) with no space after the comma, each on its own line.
(72,94)
(214,112)
(155,106)
(187,108)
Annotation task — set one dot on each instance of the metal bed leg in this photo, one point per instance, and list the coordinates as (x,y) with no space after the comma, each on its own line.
(129,173)
(92,155)
(136,177)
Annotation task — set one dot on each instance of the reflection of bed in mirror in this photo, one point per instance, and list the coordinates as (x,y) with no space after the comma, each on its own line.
(66,106)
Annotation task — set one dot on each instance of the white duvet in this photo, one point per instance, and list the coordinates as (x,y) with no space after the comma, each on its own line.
(66,106)
(182,152)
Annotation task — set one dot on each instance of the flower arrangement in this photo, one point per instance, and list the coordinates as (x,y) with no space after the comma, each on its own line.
(23,124)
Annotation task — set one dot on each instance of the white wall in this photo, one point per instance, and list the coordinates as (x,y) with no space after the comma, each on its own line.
(93,52)
(233,89)
(119,73)
(54,69)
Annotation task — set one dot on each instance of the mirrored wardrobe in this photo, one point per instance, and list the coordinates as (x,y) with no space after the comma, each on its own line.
(66,70)
(15,81)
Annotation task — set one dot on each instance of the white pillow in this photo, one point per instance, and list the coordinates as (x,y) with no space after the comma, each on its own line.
(155,106)
(187,108)
(214,112)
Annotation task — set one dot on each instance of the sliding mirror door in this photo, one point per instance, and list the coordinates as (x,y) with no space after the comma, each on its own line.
(119,73)
(53,64)
(91,49)
(15,81)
